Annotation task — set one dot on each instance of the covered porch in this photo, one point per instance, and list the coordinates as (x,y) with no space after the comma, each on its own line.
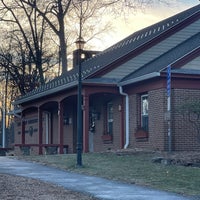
(49,125)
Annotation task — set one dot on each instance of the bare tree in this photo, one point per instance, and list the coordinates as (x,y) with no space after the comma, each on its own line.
(14,62)
(57,14)
(24,55)
(54,13)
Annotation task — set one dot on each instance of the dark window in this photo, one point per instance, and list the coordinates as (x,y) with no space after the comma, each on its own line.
(110,118)
(144,112)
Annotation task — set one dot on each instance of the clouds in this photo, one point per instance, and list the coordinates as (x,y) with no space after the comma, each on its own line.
(123,27)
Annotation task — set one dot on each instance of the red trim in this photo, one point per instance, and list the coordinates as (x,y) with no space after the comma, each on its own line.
(145,86)
(181,81)
(99,84)
(40,145)
(183,76)
(186,84)
(95,89)
(27,145)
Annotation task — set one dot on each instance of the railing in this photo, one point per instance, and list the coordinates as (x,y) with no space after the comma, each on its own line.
(49,148)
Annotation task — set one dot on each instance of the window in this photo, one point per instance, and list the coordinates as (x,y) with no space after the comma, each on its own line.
(110,118)
(144,112)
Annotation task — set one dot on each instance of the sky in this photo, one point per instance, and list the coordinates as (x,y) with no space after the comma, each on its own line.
(155,13)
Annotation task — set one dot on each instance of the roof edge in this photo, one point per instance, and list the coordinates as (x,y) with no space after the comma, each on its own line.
(140,78)
(45,93)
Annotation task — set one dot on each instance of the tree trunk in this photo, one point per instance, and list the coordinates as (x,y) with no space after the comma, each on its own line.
(63,46)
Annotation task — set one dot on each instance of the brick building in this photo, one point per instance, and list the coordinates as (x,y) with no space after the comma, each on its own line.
(125,95)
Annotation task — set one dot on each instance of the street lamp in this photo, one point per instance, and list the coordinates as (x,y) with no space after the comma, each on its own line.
(80,42)
(80,45)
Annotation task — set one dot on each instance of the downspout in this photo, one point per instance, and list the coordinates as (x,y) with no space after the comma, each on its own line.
(127,116)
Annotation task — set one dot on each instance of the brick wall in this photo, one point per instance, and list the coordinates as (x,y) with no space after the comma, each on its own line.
(184,134)
(157,125)
(99,144)
(157,131)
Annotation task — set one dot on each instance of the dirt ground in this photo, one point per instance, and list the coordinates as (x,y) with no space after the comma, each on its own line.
(20,188)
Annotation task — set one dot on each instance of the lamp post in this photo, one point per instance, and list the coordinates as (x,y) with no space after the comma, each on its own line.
(80,44)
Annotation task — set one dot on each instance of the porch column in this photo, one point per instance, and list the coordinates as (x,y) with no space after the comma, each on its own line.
(60,127)
(85,123)
(23,130)
(40,130)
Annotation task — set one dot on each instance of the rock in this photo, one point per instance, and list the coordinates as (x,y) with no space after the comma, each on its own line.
(157,159)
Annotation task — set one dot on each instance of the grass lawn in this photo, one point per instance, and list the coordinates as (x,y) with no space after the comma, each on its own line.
(136,168)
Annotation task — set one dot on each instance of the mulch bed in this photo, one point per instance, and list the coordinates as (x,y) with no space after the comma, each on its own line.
(21,188)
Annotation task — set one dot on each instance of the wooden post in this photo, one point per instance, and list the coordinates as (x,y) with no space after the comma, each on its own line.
(85,123)
(60,126)
(40,130)
(23,126)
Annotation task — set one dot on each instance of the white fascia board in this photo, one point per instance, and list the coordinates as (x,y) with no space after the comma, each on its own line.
(140,78)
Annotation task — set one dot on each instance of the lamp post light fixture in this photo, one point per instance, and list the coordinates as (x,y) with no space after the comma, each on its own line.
(80,45)
(80,42)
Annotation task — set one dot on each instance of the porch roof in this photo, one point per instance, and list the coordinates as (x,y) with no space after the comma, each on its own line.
(114,54)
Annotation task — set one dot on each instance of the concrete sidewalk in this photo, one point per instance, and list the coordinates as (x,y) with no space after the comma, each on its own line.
(98,187)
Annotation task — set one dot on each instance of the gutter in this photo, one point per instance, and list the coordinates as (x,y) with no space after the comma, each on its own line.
(140,78)
(127,116)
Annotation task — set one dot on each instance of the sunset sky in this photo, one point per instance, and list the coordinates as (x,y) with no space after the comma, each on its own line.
(139,20)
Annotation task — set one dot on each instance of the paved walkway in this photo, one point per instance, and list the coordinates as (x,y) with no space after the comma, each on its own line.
(98,187)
